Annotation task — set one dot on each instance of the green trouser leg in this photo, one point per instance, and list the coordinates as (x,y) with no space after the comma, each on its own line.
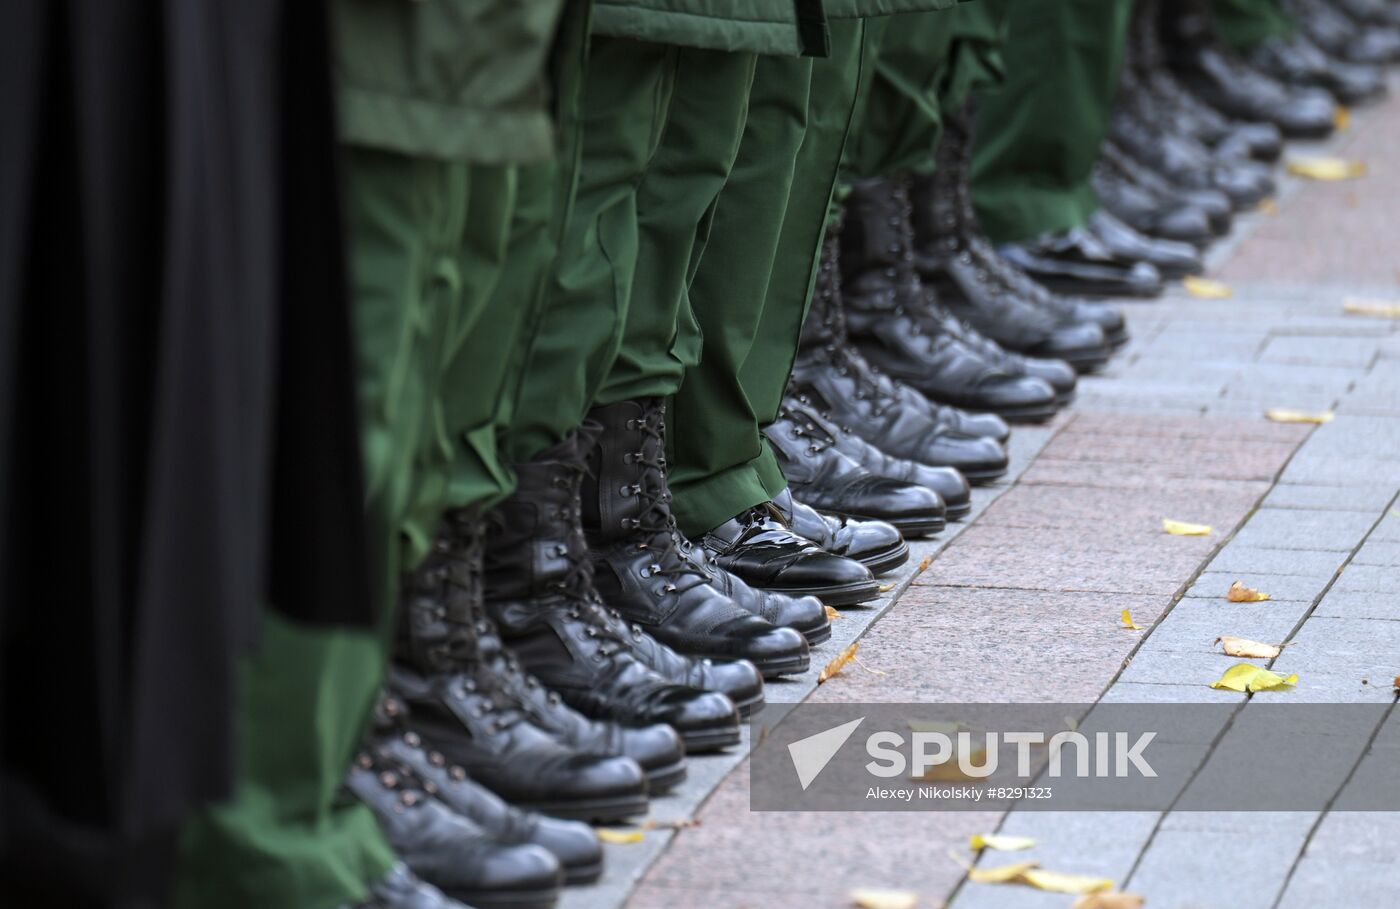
(751,289)
(574,341)
(1245,24)
(1038,137)
(427,241)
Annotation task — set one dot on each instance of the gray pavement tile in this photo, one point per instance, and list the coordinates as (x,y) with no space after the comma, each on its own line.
(1378,552)
(1214,585)
(1171,667)
(1193,625)
(1247,554)
(1151,693)
(1296,529)
(1342,470)
(1330,883)
(1187,347)
(1338,498)
(1238,822)
(1370,579)
(1352,836)
(1356,604)
(1193,869)
(1351,352)
(1338,687)
(1328,643)
(1174,428)
(1388,530)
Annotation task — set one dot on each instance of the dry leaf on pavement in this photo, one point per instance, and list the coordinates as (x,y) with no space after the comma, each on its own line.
(832,614)
(1001,874)
(1326,169)
(1185,528)
(619,837)
(1128,624)
(1248,677)
(1107,900)
(885,899)
(1284,415)
(1206,289)
(1380,309)
(1061,882)
(1000,842)
(1244,647)
(1268,206)
(838,663)
(1341,118)
(1238,593)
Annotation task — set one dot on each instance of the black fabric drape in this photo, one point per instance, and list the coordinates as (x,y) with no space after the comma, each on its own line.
(177,435)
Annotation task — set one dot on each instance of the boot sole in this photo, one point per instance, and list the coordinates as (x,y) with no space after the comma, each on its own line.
(704,740)
(958,512)
(979,476)
(881,562)
(507,899)
(582,874)
(661,780)
(754,703)
(602,810)
(1029,413)
(791,665)
(1100,291)
(840,595)
(921,526)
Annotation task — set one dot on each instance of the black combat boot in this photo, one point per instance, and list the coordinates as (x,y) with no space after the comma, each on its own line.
(875,544)
(401,889)
(573,843)
(447,849)
(895,418)
(639,560)
(973,281)
(539,592)
(1342,36)
(834,484)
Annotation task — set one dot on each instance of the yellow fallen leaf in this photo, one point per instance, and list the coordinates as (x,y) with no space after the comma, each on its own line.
(1380,309)
(1238,593)
(1244,647)
(1284,415)
(886,588)
(837,663)
(1248,677)
(678,824)
(885,899)
(1106,900)
(927,561)
(1060,882)
(1341,118)
(1268,206)
(1327,168)
(831,614)
(1206,289)
(620,837)
(1001,874)
(1000,842)
(1128,624)
(1184,528)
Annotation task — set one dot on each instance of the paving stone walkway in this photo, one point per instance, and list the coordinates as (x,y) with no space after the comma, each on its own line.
(1021,603)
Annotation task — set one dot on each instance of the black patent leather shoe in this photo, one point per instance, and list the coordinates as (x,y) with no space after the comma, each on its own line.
(639,560)
(834,484)
(1297,61)
(758,547)
(540,594)
(401,889)
(573,843)
(513,758)
(1076,262)
(1172,259)
(445,848)
(875,544)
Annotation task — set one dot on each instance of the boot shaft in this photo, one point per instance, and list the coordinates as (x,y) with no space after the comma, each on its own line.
(440,600)
(624,491)
(825,322)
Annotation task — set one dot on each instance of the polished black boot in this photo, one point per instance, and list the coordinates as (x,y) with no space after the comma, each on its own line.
(1374,12)
(805,614)
(1076,262)
(573,843)
(834,484)
(1171,258)
(449,850)
(877,254)
(444,630)
(973,281)
(893,417)
(639,563)
(1147,211)
(877,545)
(1342,36)
(1196,54)
(759,547)
(401,889)
(952,487)
(1214,204)
(1297,61)
(539,591)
